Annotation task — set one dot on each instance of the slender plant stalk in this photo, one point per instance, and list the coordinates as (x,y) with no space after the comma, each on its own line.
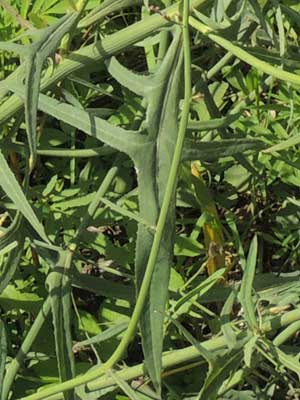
(164,39)
(287,333)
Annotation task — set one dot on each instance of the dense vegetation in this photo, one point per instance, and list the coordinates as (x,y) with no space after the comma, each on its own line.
(149,199)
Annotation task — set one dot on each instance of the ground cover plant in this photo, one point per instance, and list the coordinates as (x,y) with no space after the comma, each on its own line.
(149,199)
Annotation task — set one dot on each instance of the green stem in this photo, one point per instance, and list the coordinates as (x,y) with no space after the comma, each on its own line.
(77,153)
(189,354)
(164,39)
(287,333)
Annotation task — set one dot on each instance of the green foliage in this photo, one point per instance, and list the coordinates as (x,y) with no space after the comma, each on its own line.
(103,286)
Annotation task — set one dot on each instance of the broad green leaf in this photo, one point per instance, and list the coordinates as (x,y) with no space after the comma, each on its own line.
(41,5)
(238,176)
(176,281)
(87,323)
(245,294)
(115,311)
(11,298)
(12,189)
(103,287)
(232,381)
(289,361)
(186,246)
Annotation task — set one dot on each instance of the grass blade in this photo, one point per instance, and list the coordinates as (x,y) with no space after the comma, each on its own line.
(226,323)
(209,356)
(292,141)
(245,294)
(103,336)
(12,189)
(9,234)
(11,264)
(8,248)
(133,395)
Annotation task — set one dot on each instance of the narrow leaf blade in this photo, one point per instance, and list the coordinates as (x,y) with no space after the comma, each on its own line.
(12,189)
(245,295)
(213,150)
